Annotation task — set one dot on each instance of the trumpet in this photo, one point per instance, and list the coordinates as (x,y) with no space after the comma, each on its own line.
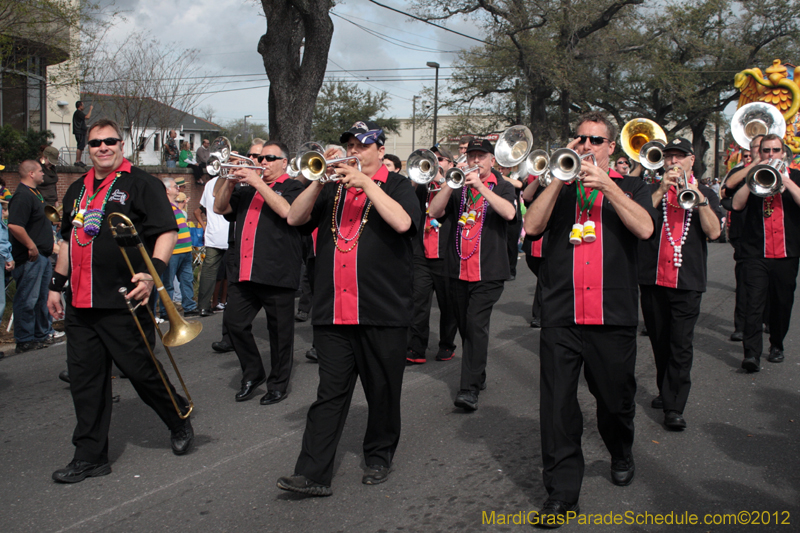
(292,169)
(181,331)
(313,165)
(455,177)
(218,162)
(565,164)
(687,198)
(423,166)
(766,179)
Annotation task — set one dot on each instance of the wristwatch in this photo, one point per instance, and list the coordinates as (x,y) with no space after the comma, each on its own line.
(704,203)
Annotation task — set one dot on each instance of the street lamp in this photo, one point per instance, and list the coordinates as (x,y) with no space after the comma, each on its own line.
(413,121)
(435,65)
(245,124)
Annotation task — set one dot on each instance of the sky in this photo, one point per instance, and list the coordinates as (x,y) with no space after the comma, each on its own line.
(226,32)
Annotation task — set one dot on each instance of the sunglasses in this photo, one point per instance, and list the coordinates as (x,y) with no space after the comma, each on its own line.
(594,139)
(111,141)
(442,159)
(253,155)
(270,158)
(773,150)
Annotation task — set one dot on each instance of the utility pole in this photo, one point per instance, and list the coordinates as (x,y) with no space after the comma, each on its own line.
(413,122)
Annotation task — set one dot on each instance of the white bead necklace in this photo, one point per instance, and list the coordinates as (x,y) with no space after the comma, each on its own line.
(677,254)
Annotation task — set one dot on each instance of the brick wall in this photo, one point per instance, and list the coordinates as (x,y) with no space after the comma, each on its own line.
(67,175)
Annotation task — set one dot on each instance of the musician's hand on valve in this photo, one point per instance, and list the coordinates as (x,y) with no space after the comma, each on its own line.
(669,179)
(144,286)
(350,176)
(473,179)
(247,175)
(594,177)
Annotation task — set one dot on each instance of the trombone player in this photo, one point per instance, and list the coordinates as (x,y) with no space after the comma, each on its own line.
(770,246)
(673,274)
(98,324)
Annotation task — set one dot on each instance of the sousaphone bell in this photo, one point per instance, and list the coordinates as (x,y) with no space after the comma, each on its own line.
(756,118)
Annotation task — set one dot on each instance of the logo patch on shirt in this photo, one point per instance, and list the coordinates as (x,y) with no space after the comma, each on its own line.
(118,196)
(629,195)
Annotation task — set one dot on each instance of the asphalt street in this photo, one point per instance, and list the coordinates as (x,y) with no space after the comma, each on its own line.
(452,469)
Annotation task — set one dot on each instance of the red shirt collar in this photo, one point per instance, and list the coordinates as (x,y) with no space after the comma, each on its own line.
(280,179)
(381,175)
(614,174)
(491,179)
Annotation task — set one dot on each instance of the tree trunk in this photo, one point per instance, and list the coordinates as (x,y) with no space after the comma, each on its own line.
(295,52)
(540,127)
(700,146)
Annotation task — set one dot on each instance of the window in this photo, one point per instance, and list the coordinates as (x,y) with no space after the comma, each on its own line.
(156,145)
(191,141)
(142,142)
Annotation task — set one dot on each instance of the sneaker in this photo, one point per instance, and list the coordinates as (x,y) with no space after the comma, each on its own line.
(220,307)
(414,358)
(467,400)
(23,347)
(54,338)
(159,320)
(80,164)
(301,316)
(445,354)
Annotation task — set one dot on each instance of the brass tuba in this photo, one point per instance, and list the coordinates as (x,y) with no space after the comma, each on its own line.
(637,133)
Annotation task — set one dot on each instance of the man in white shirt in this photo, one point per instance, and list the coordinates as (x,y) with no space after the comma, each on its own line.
(216,241)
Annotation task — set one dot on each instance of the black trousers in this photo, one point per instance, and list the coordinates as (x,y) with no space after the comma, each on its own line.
(533,264)
(307,277)
(376,355)
(245,300)
(95,338)
(608,354)
(741,296)
(472,303)
(775,279)
(426,282)
(512,244)
(670,316)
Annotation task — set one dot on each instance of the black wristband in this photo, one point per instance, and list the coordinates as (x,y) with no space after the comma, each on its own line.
(160,267)
(57,282)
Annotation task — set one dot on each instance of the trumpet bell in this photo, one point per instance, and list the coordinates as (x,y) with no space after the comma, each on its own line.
(513,146)
(545,179)
(688,199)
(53,214)
(221,146)
(637,133)
(565,164)
(455,177)
(756,118)
(422,166)
(765,179)
(312,165)
(537,162)
(651,155)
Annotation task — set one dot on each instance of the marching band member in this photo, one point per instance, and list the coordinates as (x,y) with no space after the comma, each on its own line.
(672,277)
(362,306)
(589,312)
(98,324)
(430,273)
(770,246)
(263,269)
(532,248)
(478,260)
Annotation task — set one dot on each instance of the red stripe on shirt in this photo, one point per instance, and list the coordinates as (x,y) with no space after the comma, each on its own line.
(470,268)
(345,265)
(536,248)
(248,242)
(587,268)
(775,230)
(430,240)
(667,272)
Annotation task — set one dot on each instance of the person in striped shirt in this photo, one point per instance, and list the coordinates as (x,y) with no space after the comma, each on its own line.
(180,264)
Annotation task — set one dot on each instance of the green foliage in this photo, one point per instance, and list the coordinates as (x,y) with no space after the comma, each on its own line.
(16,147)
(340,105)
(240,137)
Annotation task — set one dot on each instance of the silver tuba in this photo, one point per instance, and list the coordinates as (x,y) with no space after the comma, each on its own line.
(756,118)
(513,146)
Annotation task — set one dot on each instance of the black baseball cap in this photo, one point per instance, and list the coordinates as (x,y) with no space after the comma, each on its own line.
(680,143)
(366,131)
(480,145)
(442,152)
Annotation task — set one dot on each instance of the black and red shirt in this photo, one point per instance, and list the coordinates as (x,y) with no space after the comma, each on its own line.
(657,254)
(770,228)
(97,268)
(735,220)
(592,283)
(479,251)
(368,278)
(433,241)
(266,249)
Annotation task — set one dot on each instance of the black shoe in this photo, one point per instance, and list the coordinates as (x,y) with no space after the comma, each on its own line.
(182,438)
(483,386)
(737,336)
(311,355)
(445,354)
(273,396)
(766,329)
(193,312)
(657,403)
(302,485)
(301,316)
(512,277)
(622,471)
(643,333)
(64,376)
(536,322)
(775,355)
(23,347)
(554,514)
(206,312)
(248,388)
(77,471)
(221,347)
(414,358)
(2,354)
(375,474)
(674,421)
(467,400)
(80,164)
(751,365)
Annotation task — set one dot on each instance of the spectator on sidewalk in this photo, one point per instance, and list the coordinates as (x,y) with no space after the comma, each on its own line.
(8,263)
(32,244)
(79,130)
(49,160)
(180,264)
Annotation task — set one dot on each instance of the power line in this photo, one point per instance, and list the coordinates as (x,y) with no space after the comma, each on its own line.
(431,23)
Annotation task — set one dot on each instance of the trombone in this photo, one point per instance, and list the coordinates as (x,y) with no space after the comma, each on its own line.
(313,165)
(181,331)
